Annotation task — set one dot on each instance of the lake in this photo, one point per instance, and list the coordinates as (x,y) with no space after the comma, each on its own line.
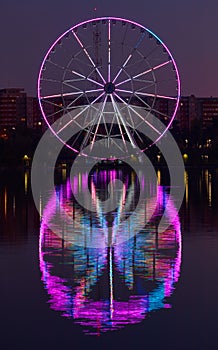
(109,278)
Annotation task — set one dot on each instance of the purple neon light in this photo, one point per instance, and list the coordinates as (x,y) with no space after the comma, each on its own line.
(106,315)
(109,51)
(143,73)
(89,57)
(109,19)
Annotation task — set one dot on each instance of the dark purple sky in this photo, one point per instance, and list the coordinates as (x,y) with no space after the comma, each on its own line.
(188,27)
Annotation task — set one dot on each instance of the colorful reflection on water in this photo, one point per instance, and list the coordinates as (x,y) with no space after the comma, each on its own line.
(108,287)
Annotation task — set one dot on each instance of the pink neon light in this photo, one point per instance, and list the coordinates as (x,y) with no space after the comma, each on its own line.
(145,72)
(87,78)
(72,29)
(65,94)
(103,316)
(109,51)
(152,95)
(125,63)
(89,57)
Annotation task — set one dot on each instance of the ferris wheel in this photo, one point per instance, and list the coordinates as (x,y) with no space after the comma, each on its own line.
(108,77)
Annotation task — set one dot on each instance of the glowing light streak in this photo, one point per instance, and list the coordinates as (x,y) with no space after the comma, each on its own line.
(109,51)
(116,108)
(83,110)
(89,57)
(97,126)
(111,283)
(87,78)
(126,91)
(145,72)
(155,95)
(26,182)
(139,115)
(121,69)
(129,57)
(72,93)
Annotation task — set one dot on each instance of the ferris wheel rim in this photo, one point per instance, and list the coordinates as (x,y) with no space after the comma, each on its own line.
(110,18)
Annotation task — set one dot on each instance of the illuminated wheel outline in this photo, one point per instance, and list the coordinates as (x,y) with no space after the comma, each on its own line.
(71,301)
(95,81)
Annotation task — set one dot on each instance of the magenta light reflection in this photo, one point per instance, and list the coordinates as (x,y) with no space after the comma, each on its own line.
(133,261)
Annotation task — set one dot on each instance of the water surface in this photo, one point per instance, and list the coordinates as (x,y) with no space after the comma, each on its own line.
(147,291)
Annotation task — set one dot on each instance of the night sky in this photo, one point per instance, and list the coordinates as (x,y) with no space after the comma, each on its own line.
(189,28)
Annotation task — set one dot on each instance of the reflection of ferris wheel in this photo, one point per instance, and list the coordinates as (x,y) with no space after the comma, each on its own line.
(108,61)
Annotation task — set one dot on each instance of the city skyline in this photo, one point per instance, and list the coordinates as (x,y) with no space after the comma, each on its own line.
(18,108)
(189,31)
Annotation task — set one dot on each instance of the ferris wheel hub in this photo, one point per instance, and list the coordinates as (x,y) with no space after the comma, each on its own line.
(109,88)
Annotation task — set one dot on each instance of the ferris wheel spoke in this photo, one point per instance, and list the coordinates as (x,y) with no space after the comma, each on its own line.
(93,90)
(126,91)
(133,125)
(69,85)
(139,115)
(87,124)
(49,102)
(143,101)
(86,78)
(150,108)
(152,69)
(116,109)
(145,81)
(76,58)
(69,82)
(149,83)
(71,103)
(92,125)
(58,66)
(61,110)
(143,58)
(77,137)
(75,73)
(145,87)
(100,117)
(106,126)
(121,69)
(109,51)
(78,114)
(160,113)
(155,95)
(117,144)
(62,95)
(82,130)
(130,56)
(72,120)
(119,125)
(109,131)
(136,63)
(86,137)
(88,56)
(145,72)
(51,80)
